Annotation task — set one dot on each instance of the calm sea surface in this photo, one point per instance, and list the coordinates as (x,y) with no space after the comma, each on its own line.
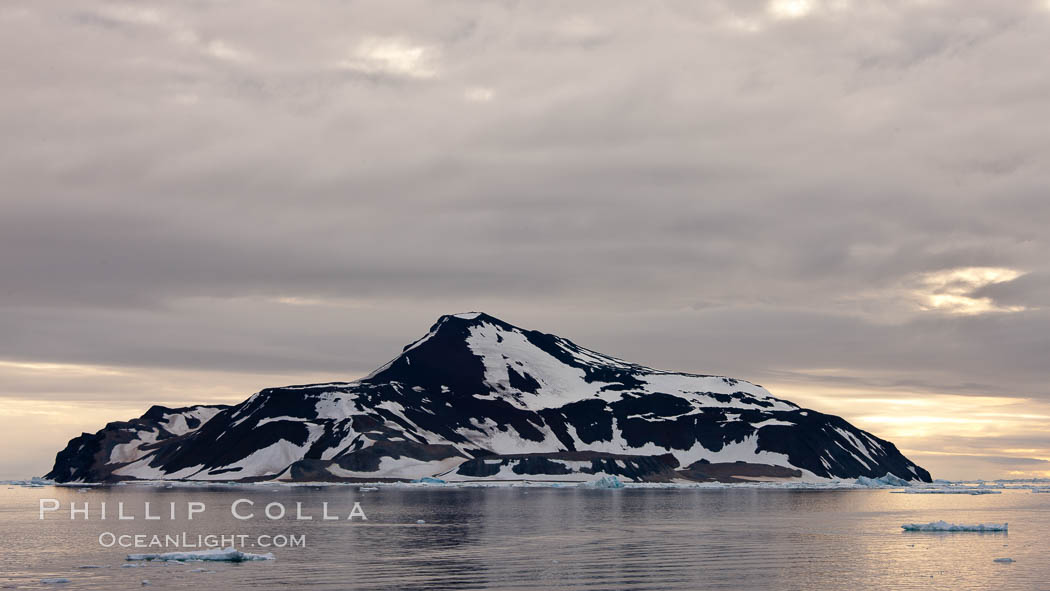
(541,538)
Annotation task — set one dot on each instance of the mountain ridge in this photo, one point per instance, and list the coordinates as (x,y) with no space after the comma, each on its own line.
(479,398)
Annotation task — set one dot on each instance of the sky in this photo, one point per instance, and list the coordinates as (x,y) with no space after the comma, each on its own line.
(843,201)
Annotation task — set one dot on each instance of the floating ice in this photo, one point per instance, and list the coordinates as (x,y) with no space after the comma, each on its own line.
(1004,560)
(368,488)
(34,482)
(216,554)
(945,526)
(54,581)
(604,482)
(947,491)
(92,566)
(429,480)
(882,481)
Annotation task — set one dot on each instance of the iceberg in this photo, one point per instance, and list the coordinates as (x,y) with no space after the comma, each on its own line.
(945,526)
(882,481)
(429,480)
(216,554)
(947,491)
(34,482)
(604,482)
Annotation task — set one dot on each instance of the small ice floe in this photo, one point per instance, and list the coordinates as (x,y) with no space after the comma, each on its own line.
(889,480)
(54,581)
(421,521)
(131,564)
(947,491)
(945,526)
(216,554)
(1041,490)
(368,488)
(1007,560)
(604,482)
(145,582)
(201,570)
(429,480)
(93,566)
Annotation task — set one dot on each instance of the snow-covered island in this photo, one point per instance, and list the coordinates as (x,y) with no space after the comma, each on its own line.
(477,399)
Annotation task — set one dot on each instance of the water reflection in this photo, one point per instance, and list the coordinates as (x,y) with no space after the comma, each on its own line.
(553,538)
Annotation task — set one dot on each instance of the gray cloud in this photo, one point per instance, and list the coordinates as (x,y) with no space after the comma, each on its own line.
(703,186)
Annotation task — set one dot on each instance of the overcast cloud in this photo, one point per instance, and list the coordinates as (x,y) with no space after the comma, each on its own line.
(834,196)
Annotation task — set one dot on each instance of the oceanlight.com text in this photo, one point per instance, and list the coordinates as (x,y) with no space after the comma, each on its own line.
(200,541)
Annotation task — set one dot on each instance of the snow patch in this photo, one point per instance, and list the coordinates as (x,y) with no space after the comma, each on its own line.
(771,422)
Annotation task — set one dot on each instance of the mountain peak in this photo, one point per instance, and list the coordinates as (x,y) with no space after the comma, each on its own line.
(471,319)
(476,354)
(465,316)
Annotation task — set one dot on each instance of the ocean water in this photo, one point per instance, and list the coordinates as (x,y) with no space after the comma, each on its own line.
(537,538)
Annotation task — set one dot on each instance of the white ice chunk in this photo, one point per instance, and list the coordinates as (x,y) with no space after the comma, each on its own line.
(889,480)
(945,526)
(604,482)
(215,554)
(948,491)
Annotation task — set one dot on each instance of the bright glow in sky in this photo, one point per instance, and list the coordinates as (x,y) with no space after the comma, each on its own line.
(952,291)
(392,56)
(791,8)
(953,436)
